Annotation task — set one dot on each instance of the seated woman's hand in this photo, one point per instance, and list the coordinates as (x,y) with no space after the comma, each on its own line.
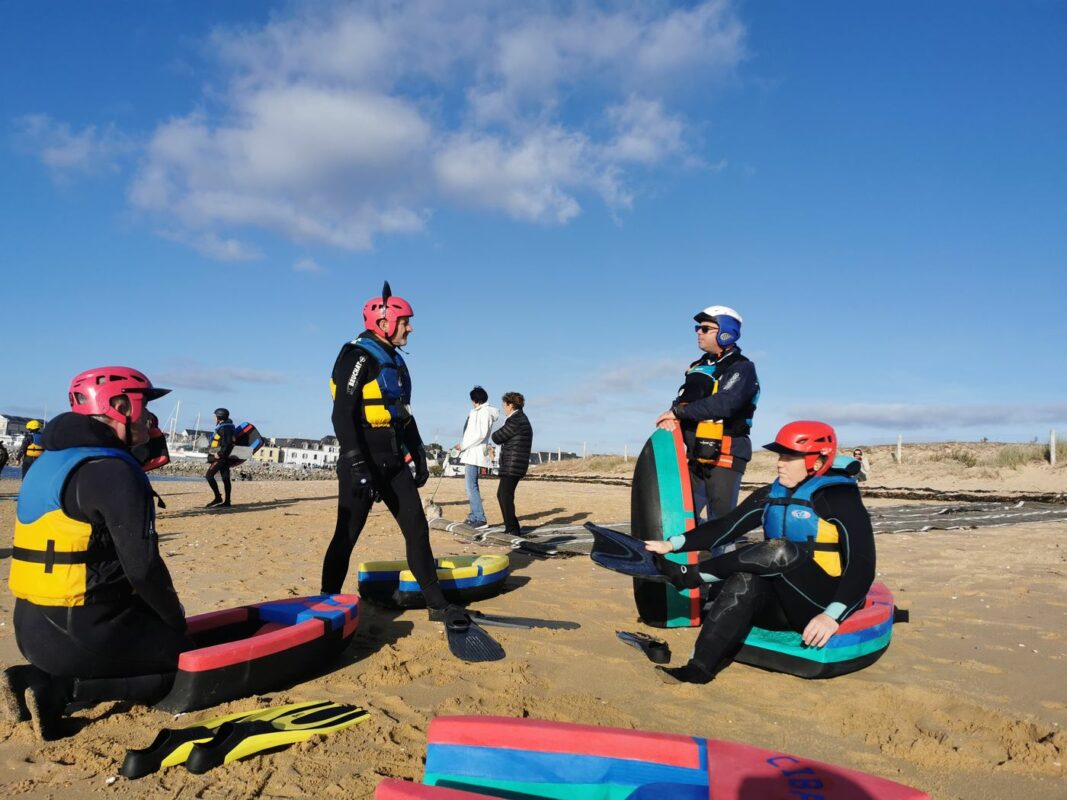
(819,630)
(662,547)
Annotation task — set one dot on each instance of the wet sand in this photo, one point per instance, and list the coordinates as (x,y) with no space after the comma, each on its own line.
(969,701)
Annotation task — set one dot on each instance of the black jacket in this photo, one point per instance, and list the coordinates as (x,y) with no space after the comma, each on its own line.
(516,440)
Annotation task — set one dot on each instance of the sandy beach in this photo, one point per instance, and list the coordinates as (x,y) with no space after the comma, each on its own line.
(969,701)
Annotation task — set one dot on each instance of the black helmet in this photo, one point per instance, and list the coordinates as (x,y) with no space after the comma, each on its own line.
(222,413)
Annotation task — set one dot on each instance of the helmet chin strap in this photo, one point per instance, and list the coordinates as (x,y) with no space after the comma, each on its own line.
(129,431)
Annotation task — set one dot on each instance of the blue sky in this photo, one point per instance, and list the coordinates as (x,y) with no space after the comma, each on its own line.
(210,191)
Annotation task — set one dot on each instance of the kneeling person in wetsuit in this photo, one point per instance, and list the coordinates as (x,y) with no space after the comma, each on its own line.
(96,614)
(372,419)
(219,456)
(813,569)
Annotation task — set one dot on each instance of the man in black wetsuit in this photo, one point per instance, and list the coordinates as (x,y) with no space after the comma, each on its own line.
(96,613)
(219,456)
(715,407)
(377,435)
(815,566)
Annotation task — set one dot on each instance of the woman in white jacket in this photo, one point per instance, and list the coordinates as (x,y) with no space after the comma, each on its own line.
(474,450)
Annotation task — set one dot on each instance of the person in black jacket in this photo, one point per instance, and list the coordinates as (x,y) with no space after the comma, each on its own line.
(715,407)
(219,456)
(96,613)
(813,569)
(516,440)
(31,446)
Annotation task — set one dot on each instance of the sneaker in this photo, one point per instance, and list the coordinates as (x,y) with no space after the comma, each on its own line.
(216,502)
(481,526)
(475,523)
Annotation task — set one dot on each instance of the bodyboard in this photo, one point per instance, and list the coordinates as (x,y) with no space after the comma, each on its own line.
(661,506)
(246,441)
(530,758)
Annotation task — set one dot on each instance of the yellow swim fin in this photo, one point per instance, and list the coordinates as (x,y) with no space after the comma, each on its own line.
(245,737)
(173,745)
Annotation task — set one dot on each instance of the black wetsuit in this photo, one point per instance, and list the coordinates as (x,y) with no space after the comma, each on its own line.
(123,644)
(776,583)
(377,455)
(224,430)
(3,456)
(31,441)
(716,486)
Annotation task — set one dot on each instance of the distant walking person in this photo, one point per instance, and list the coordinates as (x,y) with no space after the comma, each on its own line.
(4,456)
(516,440)
(474,450)
(219,456)
(715,407)
(32,446)
(865,465)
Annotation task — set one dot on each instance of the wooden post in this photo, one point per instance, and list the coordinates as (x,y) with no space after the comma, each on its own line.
(625,453)
(583,451)
(900,454)
(1052,447)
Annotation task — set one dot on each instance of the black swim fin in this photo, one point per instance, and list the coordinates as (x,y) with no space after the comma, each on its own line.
(620,552)
(242,738)
(468,642)
(657,650)
(173,745)
(525,623)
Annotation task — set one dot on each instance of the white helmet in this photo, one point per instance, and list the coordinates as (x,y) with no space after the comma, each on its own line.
(728,320)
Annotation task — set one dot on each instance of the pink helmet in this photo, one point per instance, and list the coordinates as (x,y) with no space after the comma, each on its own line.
(386,307)
(91,391)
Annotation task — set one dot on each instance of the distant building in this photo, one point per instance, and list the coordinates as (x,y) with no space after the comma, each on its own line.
(299,452)
(14,426)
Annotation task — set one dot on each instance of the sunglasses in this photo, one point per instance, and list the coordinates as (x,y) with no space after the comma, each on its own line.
(704,329)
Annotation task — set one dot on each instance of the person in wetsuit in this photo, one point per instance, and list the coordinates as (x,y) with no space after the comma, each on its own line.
(715,407)
(811,572)
(376,432)
(96,613)
(219,456)
(31,448)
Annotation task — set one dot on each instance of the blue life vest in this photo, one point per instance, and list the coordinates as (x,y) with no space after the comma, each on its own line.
(789,514)
(35,447)
(51,549)
(386,400)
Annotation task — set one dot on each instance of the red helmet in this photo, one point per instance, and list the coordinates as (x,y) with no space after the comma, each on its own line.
(387,308)
(91,391)
(809,439)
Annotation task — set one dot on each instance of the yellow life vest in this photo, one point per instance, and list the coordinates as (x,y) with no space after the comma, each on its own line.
(51,549)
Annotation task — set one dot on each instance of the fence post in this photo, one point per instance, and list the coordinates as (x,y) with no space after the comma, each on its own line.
(625,453)
(1052,447)
(900,454)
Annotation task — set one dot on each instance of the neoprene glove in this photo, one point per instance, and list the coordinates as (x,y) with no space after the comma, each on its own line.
(422,472)
(682,576)
(363,480)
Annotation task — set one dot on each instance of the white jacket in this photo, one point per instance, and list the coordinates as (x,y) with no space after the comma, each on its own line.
(474,447)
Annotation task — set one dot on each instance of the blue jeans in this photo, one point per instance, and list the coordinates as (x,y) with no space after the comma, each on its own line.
(477,511)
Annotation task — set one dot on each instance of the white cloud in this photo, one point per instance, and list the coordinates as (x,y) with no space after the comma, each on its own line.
(194,375)
(64,151)
(904,416)
(307,265)
(338,123)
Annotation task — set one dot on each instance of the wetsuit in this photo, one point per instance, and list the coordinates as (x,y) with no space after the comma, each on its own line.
(778,583)
(30,449)
(221,447)
(3,456)
(113,629)
(715,406)
(375,432)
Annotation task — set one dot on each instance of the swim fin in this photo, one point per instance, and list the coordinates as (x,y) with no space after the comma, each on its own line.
(525,623)
(173,745)
(242,738)
(657,650)
(623,553)
(468,642)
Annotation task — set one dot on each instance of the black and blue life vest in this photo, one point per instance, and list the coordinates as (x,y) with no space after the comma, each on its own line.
(51,549)
(35,447)
(387,399)
(789,514)
(713,442)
